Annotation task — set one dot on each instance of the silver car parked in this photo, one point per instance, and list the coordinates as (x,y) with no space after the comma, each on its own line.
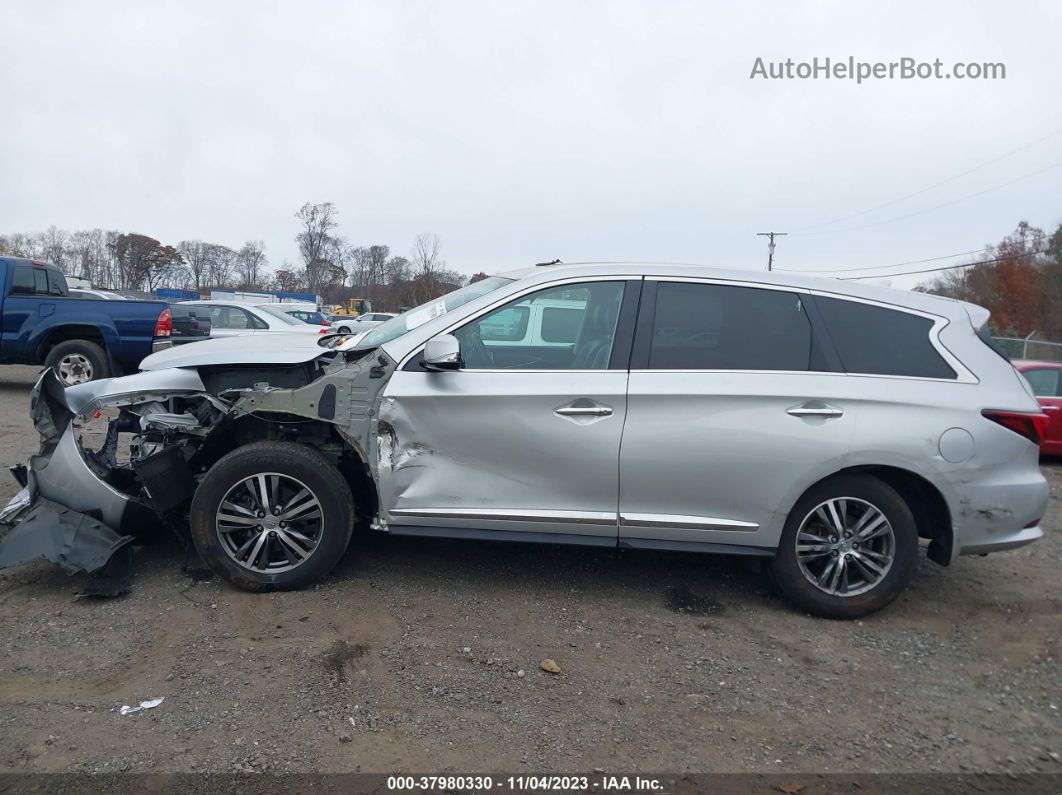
(823,426)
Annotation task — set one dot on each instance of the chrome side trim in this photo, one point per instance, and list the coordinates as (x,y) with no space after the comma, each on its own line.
(507,515)
(685,522)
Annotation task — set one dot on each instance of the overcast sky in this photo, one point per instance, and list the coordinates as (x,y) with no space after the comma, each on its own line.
(521,132)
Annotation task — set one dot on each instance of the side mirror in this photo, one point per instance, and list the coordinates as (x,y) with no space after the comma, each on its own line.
(442,353)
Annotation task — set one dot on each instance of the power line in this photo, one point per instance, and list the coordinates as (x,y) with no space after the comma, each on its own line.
(942,267)
(935,185)
(893,265)
(936,206)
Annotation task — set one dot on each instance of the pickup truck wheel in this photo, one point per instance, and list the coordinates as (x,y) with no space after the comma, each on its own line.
(78,361)
(272,516)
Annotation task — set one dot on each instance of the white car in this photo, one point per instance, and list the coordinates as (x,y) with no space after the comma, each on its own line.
(236,318)
(359,324)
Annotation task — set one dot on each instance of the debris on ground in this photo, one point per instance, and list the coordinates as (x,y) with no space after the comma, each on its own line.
(150,704)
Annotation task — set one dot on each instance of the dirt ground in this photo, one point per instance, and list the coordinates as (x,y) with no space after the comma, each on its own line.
(424,656)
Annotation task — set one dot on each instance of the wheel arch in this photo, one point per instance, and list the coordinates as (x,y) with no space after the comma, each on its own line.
(66,332)
(930,509)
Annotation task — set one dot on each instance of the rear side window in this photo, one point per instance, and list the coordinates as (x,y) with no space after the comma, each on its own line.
(56,283)
(1044,381)
(878,341)
(22,280)
(719,327)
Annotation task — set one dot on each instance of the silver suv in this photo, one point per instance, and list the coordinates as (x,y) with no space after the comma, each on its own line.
(823,426)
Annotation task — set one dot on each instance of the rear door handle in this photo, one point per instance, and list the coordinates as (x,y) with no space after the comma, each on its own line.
(815,408)
(584,411)
(1049,408)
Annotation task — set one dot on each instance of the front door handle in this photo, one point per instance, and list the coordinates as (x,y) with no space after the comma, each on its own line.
(1049,408)
(584,411)
(815,408)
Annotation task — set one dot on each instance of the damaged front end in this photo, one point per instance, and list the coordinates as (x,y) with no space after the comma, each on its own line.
(120,459)
(82,508)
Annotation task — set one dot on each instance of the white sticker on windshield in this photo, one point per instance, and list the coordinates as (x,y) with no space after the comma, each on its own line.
(422,316)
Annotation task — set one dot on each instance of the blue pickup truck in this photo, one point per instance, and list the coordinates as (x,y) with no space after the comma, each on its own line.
(82,338)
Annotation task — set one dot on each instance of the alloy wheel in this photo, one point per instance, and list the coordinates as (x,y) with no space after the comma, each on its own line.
(845,546)
(269,522)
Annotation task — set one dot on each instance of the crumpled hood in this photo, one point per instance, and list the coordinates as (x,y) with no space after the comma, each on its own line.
(278,348)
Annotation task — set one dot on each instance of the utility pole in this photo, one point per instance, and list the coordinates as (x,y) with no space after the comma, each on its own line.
(770,245)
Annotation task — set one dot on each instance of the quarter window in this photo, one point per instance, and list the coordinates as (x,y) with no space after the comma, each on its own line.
(720,327)
(879,341)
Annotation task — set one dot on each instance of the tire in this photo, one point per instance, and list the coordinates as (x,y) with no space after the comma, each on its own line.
(293,553)
(344,330)
(78,362)
(859,588)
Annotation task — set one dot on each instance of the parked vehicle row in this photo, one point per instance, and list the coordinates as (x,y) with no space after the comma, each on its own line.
(822,426)
(81,337)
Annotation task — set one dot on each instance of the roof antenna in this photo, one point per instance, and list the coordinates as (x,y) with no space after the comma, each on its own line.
(544,264)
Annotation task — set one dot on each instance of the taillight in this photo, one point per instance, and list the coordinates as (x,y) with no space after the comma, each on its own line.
(1031,426)
(322,331)
(164,325)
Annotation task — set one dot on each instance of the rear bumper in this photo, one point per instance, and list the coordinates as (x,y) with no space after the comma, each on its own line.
(161,344)
(998,509)
(1004,541)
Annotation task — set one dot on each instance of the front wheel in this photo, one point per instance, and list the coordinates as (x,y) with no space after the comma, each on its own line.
(849,547)
(272,516)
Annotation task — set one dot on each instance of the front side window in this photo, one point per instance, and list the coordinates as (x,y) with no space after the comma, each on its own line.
(1044,381)
(720,327)
(878,341)
(518,336)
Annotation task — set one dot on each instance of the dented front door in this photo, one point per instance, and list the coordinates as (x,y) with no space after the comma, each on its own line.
(516,451)
(525,438)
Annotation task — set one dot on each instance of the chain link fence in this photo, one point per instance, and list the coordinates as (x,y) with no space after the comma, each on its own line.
(1029,348)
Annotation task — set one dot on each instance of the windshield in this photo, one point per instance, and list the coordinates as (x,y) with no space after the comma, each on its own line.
(282,315)
(419,315)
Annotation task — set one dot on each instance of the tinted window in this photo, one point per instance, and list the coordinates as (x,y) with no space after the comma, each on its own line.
(56,283)
(874,340)
(1044,382)
(560,325)
(40,281)
(718,327)
(22,280)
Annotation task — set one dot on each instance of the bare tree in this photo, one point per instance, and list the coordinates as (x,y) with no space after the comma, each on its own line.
(195,254)
(221,264)
(426,264)
(252,262)
(315,240)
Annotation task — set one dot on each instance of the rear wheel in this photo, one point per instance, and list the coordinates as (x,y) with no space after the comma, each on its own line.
(849,547)
(272,516)
(78,361)
(344,330)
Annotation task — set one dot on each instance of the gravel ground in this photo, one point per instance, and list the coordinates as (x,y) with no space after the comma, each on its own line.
(424,656)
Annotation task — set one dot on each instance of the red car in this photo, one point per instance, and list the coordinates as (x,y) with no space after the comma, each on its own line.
(1046,381)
